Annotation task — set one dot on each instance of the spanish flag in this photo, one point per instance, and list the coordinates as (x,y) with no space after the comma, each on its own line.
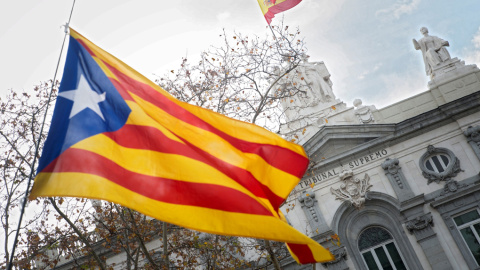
(271,7)
(117,136)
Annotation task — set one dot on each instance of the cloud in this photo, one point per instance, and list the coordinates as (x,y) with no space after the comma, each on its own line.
(318,12)
(398,9)
(223,16)
(473,56)
(399,87)
(367,72)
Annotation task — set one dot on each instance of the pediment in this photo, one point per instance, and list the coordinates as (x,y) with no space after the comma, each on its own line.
(334,141)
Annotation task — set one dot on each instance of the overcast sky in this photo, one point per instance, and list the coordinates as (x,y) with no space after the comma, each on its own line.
(366,45)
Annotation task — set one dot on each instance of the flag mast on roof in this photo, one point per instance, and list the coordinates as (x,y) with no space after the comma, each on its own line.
(269,9)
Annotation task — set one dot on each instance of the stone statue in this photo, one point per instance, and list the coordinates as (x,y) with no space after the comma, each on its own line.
(433,50)
(318,78)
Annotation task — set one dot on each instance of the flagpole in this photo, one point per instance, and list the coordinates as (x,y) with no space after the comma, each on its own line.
(165,254)
(37,146)
(267,242)
(273,33)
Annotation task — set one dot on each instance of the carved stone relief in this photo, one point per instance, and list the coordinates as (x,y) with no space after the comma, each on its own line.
(419,223)
(352,189)
(473,137)
(451,186)
(363,113)
(473,134)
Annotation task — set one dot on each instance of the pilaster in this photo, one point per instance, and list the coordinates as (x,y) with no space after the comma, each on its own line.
(418,223)
(312,211)
(422,228)
(396,177)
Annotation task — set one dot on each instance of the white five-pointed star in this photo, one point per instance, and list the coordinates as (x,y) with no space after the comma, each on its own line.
(84,97)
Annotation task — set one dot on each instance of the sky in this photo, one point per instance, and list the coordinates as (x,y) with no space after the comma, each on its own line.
(366,45)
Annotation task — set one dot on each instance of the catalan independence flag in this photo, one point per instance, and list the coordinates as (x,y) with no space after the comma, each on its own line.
(271,7)
(117,136)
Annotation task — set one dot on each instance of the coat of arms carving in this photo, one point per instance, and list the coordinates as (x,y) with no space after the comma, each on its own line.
(352,189)
(269,3)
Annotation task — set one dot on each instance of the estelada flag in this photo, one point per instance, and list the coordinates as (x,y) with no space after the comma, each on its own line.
(117,136)
(271,7)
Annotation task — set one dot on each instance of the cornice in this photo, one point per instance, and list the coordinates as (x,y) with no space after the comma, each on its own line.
(389,134)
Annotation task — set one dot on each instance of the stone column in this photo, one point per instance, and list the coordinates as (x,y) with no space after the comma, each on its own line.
(395,175)
(312,212)
(322,232)
(417,222)
(473,136)
(421,227)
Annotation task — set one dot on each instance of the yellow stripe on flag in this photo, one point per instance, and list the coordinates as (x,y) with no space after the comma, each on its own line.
(280,182)
(94,187)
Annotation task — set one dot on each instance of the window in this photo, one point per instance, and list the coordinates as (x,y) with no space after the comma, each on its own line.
(469,226)
(379,251)
(437,163)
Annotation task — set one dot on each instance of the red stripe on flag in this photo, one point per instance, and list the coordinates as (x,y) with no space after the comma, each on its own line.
(86,47)
(288,4)
(157,188)
(121,89)
(278,157)
(303,253)
(132,136)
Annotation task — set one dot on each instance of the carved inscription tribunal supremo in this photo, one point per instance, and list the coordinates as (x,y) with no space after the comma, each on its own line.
(325,175)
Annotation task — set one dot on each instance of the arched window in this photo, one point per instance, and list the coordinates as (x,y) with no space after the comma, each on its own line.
(379,251)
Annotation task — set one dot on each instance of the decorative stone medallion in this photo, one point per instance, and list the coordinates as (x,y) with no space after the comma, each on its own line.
(439,164)
(452,186)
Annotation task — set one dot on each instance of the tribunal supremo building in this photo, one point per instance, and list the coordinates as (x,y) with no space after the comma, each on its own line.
(397,187)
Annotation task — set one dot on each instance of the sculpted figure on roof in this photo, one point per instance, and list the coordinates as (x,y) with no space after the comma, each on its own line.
(433,49)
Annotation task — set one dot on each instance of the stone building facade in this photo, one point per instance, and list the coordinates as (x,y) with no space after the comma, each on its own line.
(397,187)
